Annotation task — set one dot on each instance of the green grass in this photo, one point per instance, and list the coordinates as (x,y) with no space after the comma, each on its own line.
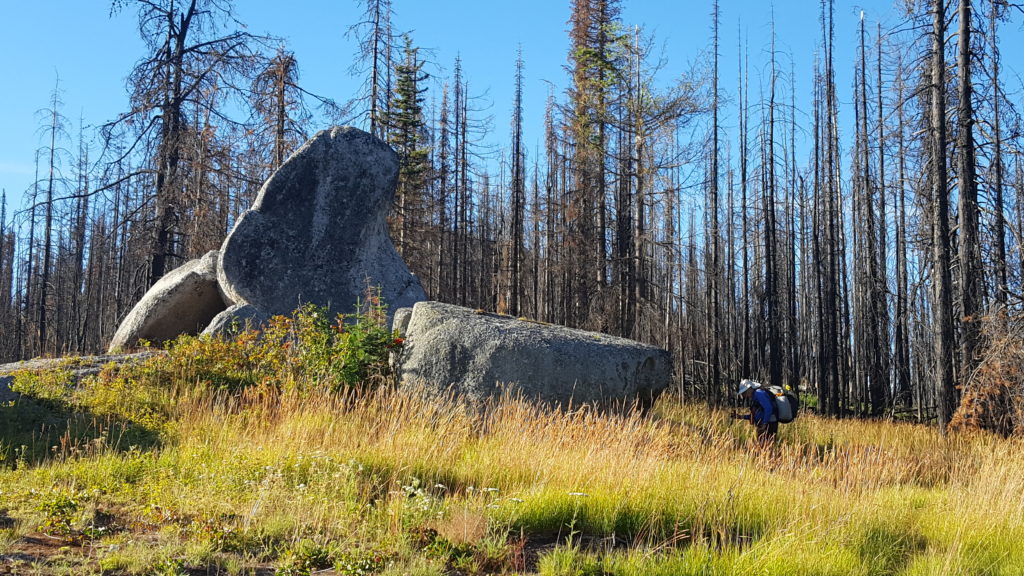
(231,458)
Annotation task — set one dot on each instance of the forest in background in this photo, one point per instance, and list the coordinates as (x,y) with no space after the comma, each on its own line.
(879,271)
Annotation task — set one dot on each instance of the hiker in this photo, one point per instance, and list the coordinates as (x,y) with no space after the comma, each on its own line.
(763,413)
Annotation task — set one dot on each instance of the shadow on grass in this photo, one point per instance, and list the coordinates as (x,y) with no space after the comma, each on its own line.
(34,429)
(887,550)
(638,523)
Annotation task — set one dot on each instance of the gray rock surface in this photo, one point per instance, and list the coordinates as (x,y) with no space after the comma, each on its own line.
(236,319)
(479,356)
(400,323)
(317,231)
(182,302)
(79,367)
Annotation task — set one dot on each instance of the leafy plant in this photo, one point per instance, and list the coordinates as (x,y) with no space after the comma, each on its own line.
(351,351)
(306,350)
(303,559)
(70,517)
(218,530)
(60,515)
(51,386)
(420,504)
(360,562)
(170,567)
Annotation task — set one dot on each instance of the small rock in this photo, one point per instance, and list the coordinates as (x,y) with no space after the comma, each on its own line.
(401,320)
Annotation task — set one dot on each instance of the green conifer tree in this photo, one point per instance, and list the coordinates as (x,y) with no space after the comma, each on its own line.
(408,136)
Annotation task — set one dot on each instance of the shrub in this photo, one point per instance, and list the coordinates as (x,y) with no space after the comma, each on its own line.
(306,557)
(360,562)
(993,398)
(47,386)
(351,351)
(307,349)
(60,513)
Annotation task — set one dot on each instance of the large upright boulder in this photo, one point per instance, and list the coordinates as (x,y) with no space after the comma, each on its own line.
(478,356)
(182,302)
(317,231)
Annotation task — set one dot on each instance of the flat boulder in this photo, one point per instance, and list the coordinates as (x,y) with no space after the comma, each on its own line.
(182,302)
(479,356)
(77,368)
(317,231)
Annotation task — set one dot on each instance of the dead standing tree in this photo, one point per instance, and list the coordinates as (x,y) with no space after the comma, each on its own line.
(942,283)
(189,57)
(376,59)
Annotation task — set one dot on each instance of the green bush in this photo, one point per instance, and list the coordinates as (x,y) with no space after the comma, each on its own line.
(50,387)
(360,562)
(60,514)
(307,349)
(307,556)
(351,351)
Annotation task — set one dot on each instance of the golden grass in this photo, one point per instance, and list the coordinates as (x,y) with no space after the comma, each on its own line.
(683,487)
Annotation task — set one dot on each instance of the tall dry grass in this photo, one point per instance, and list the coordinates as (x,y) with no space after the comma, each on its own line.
(682,477)
(682,490)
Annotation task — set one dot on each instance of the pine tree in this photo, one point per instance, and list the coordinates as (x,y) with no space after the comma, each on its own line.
(713,294)
(407,135)
(594,68)
(375,59)
(972,274)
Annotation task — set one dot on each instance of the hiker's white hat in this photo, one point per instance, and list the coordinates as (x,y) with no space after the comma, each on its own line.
(745,385)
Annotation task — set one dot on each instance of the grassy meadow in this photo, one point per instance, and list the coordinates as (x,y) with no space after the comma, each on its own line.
(263,456)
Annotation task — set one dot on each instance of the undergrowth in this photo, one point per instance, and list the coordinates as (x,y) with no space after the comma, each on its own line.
(289,452)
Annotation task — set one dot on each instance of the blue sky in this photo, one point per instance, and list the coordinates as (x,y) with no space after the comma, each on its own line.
(92,52)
